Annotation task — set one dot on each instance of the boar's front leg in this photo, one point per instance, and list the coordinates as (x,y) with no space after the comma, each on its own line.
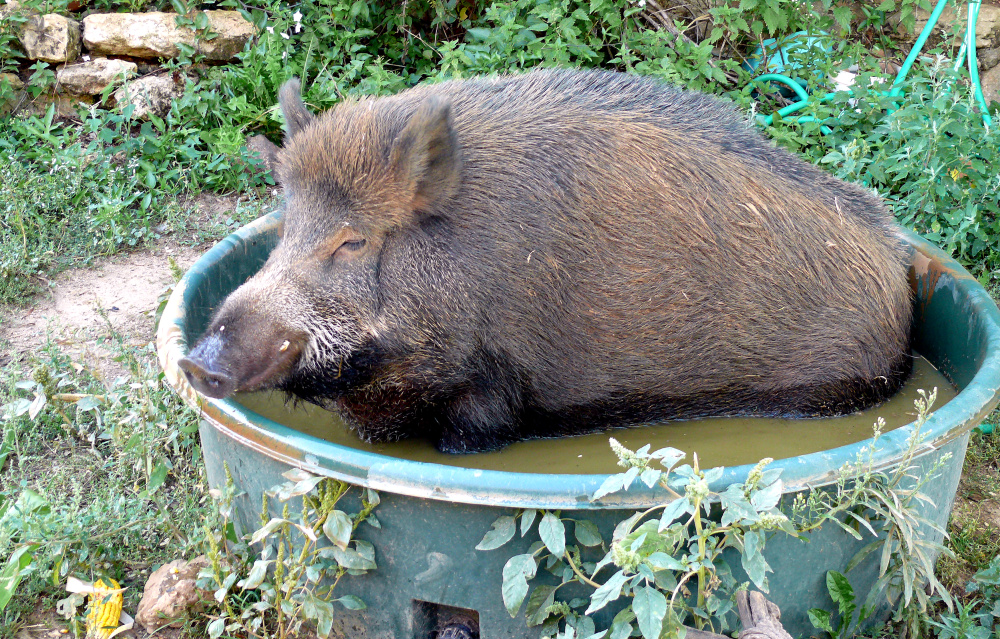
(480,421)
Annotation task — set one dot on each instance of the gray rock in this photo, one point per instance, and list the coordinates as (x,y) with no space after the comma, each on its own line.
(51,38)
(991,84)
(151,94)
(988,58)
(156,35)
(95,76)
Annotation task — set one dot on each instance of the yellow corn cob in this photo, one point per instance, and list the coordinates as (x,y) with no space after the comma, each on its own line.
(105,609)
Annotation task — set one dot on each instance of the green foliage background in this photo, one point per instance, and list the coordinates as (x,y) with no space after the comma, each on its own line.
(70,192)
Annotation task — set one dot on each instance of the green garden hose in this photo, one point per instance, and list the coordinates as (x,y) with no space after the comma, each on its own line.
(968,49)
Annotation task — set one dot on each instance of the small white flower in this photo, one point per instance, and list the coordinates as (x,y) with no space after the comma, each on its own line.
(297,16)
(284,35)
(270,30)
(642,3)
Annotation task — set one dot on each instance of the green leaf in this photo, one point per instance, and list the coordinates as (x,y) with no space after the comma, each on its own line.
(864,552)
(820,619)
(31,503)
(216,627)
(612,484)
(753,559)
(10,576)
(736,507)
(87,403)
(261,533)
(535,610)
(841,592)
(673,511)
(843,17)
(300,487)
(479,33)
(352,602)
(320,611)
(516,573)
(553,534)
(256,576)
(502,532)
(338,528)
(608,592)
(768,497)
(360,10)
(527,518)
(359,558)
(663,561)
(650,476)
(586,533)
(649,606)
(157,477)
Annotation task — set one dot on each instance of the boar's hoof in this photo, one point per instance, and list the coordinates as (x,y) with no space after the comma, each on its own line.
(207,382)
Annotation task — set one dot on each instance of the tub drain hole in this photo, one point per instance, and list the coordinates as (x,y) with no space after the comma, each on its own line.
(437,621)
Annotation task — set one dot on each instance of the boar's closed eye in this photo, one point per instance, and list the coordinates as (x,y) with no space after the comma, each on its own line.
(349,247)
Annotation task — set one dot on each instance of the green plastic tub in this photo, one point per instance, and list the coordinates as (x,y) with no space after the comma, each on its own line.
(433,515)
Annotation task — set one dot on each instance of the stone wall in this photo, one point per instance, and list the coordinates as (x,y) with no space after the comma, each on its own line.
(121,50)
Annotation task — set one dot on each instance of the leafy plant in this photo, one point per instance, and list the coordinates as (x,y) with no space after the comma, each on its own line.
(889,504)
(842,594)
(293,579)
(672,561)
(98,472)
(658,558)
(978,618)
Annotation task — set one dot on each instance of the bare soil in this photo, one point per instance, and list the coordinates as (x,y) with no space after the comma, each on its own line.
(120,293)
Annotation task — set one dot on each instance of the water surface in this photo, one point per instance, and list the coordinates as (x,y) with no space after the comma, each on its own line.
(726,441)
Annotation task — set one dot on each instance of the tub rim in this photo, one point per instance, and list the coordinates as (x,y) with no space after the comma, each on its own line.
(556,491)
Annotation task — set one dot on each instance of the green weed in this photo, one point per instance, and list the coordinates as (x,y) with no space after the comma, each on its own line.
(103,477)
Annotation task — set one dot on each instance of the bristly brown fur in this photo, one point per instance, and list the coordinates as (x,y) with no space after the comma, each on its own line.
(562,251)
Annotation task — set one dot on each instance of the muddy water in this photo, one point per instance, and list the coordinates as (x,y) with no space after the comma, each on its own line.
(718,441)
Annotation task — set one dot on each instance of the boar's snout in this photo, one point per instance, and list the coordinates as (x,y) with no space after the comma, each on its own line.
(207,381)
(219,368)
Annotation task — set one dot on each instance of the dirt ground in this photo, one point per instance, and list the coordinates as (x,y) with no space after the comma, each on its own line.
(122,290)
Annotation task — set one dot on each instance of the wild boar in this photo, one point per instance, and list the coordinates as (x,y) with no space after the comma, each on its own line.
(488,260)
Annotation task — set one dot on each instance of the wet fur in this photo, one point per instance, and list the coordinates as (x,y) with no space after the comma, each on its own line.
(562,251)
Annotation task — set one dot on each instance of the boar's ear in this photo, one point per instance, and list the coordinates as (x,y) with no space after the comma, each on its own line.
(425,156)
(294,110)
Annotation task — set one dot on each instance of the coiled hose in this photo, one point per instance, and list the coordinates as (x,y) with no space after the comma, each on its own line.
(967,50)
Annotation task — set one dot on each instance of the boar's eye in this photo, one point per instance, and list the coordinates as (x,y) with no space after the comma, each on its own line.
(349,247)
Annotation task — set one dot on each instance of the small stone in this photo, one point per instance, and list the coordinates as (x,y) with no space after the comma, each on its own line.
(95,76)
(151,94)
(988,58)
(12,80)
(267,151)
(67,106)
(991,85)
(51,38)
(171,595)
(156,35)
(12,7)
